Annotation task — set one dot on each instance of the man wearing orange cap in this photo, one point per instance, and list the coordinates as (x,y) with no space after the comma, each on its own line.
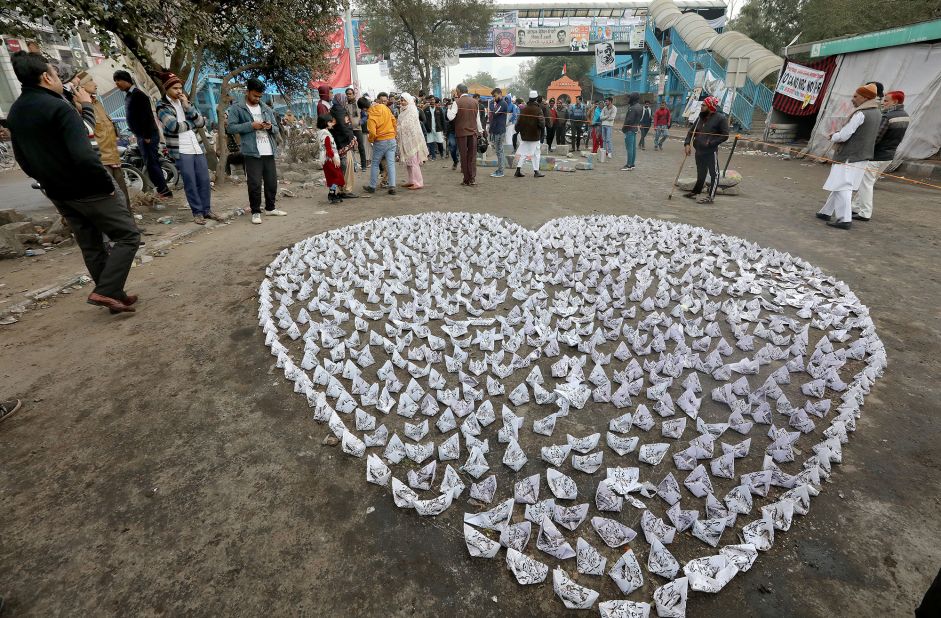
(709,130)
(891,131)
(855,145)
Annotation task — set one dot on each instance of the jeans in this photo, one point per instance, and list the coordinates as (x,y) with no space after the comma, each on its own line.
(89,218)
(660,135)
(150,154)
(577,127)
(361,144)
(606,136)
(630,144)
(452,147)
(260,170)
(498,141)
(195,173)
(383,149)
(643,135)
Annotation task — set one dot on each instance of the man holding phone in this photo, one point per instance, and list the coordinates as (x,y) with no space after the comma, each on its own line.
(255,123)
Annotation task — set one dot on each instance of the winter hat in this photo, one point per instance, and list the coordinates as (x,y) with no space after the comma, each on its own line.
(711,103)
(897,95)
(868,91)
(324,91)
(170,80)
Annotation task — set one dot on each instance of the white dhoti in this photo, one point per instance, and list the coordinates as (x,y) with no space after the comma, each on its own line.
(844,178)
(528,150)
(510,130)
(862,203)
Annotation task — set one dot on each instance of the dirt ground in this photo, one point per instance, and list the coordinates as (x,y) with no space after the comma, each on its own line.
(162,465)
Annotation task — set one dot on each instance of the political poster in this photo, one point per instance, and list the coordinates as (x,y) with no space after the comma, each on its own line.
(604,57)
(543,37)
(504,41)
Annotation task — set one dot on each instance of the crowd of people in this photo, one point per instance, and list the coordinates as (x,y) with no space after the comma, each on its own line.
(63,137)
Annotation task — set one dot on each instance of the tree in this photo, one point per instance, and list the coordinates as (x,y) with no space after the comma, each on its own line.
(483,78)
(414,34)
(519,87)
(775,23)
(283,41)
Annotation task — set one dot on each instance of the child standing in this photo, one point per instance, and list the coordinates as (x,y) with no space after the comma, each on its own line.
(330,157)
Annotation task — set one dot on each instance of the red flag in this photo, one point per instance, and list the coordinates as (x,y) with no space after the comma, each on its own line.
(563,68)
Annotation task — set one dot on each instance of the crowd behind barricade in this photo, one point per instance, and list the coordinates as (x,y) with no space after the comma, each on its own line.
(63,138)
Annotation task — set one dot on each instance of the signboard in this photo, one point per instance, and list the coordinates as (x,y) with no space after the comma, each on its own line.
(801,83)
(904,35)
(505,18)
(636,39)
(450,57)
(604,57)
(504,41)
(578,38)
(544,37)
(13,45)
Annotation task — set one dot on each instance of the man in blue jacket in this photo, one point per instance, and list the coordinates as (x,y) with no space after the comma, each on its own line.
(51,144)
(498,116)
(578,117)
(255,123)
(139,116)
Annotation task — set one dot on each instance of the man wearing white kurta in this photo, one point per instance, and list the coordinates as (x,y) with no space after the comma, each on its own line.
(895,122)
(855,144)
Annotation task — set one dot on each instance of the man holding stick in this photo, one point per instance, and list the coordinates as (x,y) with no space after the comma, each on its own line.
(709,131)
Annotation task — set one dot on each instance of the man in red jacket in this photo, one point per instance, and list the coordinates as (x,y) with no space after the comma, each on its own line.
(661,126)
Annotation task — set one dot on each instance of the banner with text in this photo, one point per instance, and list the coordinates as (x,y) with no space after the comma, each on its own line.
(801,83)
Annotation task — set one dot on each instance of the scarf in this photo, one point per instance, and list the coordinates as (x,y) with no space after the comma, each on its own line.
(870,104)
(410,135)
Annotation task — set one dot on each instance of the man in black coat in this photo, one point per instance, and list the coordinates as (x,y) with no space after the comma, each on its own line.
(140,120)
(51,144)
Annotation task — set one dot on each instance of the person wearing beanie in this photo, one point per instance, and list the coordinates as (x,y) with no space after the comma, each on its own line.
(895,121)
(855,145)
(180,119)
(530,125)
(51,145)
(710,129)
(139,115)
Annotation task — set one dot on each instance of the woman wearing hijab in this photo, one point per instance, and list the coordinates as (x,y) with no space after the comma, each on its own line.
(345,141)
(411,138)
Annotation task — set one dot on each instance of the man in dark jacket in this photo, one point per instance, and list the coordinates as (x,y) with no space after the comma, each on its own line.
(892,129)
(631,124)
(578,116)
(141,122)
(646,119)
(499,110)
(51,144)
(432,118)
(709,130)
(531,126)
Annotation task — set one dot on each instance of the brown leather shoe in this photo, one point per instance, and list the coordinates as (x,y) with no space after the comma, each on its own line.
(212,215)
(130,299)
(113,304)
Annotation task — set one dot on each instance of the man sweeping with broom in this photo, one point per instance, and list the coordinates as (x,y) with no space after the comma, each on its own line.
(709,130)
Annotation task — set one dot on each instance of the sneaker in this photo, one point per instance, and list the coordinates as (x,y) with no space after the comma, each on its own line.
(8,408)
(369,189)
(626,168)
(256,218)
(277,212)
(214,216)
(199,220)
(497,175)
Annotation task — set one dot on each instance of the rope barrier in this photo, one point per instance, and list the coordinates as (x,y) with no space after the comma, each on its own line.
(741,138)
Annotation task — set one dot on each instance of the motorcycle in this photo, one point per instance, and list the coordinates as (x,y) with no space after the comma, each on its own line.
(131,158)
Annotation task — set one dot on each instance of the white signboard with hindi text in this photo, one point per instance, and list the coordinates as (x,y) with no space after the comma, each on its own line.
(801,83)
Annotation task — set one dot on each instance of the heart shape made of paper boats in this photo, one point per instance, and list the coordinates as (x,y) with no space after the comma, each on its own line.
(641,405)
